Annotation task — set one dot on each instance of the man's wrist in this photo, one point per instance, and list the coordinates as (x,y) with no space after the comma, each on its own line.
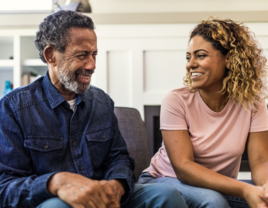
(120,185)
(54,182)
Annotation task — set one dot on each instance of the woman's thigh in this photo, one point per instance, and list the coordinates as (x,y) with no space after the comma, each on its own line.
(155,195)
(197,197)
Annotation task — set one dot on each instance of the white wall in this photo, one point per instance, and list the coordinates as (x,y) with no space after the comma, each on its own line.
(138,64)
(139,6)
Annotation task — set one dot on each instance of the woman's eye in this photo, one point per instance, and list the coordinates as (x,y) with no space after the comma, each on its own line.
(188,58)
(201,55)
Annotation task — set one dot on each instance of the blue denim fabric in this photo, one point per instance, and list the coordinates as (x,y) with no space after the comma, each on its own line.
(197,197)
(144,196)
(40,135)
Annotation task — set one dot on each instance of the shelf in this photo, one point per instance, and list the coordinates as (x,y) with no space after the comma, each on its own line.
(33,62)
(6,64)
(34,65)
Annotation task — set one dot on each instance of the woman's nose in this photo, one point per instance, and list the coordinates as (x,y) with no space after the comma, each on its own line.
(192,63)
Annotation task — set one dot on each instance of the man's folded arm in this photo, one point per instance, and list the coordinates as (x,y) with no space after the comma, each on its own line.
(19,187)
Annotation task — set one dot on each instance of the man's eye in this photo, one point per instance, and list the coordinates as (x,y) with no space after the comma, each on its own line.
(81,57)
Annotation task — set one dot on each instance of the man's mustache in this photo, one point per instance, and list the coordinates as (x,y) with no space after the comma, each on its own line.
(85,72)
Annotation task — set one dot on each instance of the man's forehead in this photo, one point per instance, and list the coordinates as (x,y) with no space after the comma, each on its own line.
(78,35)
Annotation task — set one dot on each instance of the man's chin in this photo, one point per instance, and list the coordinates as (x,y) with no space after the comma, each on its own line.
(83,89)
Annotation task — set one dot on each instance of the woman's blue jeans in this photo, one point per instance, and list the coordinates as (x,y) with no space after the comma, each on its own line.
(197,197)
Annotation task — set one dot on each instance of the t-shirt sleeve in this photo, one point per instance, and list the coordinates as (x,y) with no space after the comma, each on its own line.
(259,119)
(172,115)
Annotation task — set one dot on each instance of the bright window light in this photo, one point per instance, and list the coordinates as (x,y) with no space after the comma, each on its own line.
(9,6)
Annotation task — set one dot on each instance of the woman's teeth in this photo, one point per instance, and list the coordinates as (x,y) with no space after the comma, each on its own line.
(196,74)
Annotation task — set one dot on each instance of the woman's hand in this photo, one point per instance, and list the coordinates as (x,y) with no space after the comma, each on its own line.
(255,197)
(265,190)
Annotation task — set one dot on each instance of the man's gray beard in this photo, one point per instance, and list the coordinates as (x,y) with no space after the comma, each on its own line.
(69,81)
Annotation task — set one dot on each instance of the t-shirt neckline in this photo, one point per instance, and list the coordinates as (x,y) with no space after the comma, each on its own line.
(204,105)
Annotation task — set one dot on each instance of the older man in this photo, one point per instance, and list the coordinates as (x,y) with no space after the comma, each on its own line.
(59,139)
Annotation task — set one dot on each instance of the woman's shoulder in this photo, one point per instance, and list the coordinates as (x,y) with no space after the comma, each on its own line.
(182,94)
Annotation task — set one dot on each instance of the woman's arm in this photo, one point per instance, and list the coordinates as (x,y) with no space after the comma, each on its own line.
(180,152)
(257,147)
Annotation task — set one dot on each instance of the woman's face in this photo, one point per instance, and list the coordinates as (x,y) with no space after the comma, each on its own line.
(205,64)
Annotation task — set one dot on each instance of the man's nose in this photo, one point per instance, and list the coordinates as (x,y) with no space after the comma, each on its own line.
(90,63)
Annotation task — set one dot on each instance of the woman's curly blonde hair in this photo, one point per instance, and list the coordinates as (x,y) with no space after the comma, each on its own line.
(246,68)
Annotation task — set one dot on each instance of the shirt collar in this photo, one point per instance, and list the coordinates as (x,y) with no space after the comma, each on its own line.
(54,97)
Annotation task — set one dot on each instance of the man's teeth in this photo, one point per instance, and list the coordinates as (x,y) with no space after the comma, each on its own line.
(196,74)
(85,77)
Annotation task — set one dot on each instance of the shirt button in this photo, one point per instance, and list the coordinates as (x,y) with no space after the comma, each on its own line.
(103,136)
(45,146)
(80,167)
(74,143)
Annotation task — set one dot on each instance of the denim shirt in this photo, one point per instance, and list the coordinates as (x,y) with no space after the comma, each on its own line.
(40,135)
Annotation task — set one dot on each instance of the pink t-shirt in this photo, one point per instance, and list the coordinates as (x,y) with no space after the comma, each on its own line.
(218,138)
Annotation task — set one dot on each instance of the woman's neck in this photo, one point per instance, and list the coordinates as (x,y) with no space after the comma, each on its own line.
(215,100)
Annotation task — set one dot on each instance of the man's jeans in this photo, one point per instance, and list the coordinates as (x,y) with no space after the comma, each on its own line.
(197,197)
(144,196)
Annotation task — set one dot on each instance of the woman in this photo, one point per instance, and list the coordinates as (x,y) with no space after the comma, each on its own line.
(207,124)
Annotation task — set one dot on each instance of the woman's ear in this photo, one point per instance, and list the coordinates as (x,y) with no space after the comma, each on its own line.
(50,55)
(227,61)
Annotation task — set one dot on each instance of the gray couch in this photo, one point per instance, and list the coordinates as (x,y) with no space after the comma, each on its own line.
(133,131)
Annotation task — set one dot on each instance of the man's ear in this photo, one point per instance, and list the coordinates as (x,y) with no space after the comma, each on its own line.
(50,55)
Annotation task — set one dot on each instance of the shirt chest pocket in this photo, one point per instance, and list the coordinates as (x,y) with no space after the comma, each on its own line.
(45,144)
(100,136)
(99,145)
(46,153)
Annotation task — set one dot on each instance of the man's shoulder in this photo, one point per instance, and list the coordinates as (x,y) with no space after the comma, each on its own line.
(25,96)
(97,94)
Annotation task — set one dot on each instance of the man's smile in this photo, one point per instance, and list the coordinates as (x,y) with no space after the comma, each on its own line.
(84,78)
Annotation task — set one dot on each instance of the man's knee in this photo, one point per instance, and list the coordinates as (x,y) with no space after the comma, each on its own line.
(53,203)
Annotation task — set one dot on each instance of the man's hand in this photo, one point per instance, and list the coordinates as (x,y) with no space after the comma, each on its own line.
(114,191)
(78,191)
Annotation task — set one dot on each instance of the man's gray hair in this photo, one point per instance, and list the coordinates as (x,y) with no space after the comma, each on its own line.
(54,30)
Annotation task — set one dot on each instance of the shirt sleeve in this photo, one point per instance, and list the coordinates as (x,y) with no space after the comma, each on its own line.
(119,165)
(19,187)
(259,119)
(173,113)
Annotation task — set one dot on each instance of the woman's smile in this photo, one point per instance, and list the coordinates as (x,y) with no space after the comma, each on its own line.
(196,75)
